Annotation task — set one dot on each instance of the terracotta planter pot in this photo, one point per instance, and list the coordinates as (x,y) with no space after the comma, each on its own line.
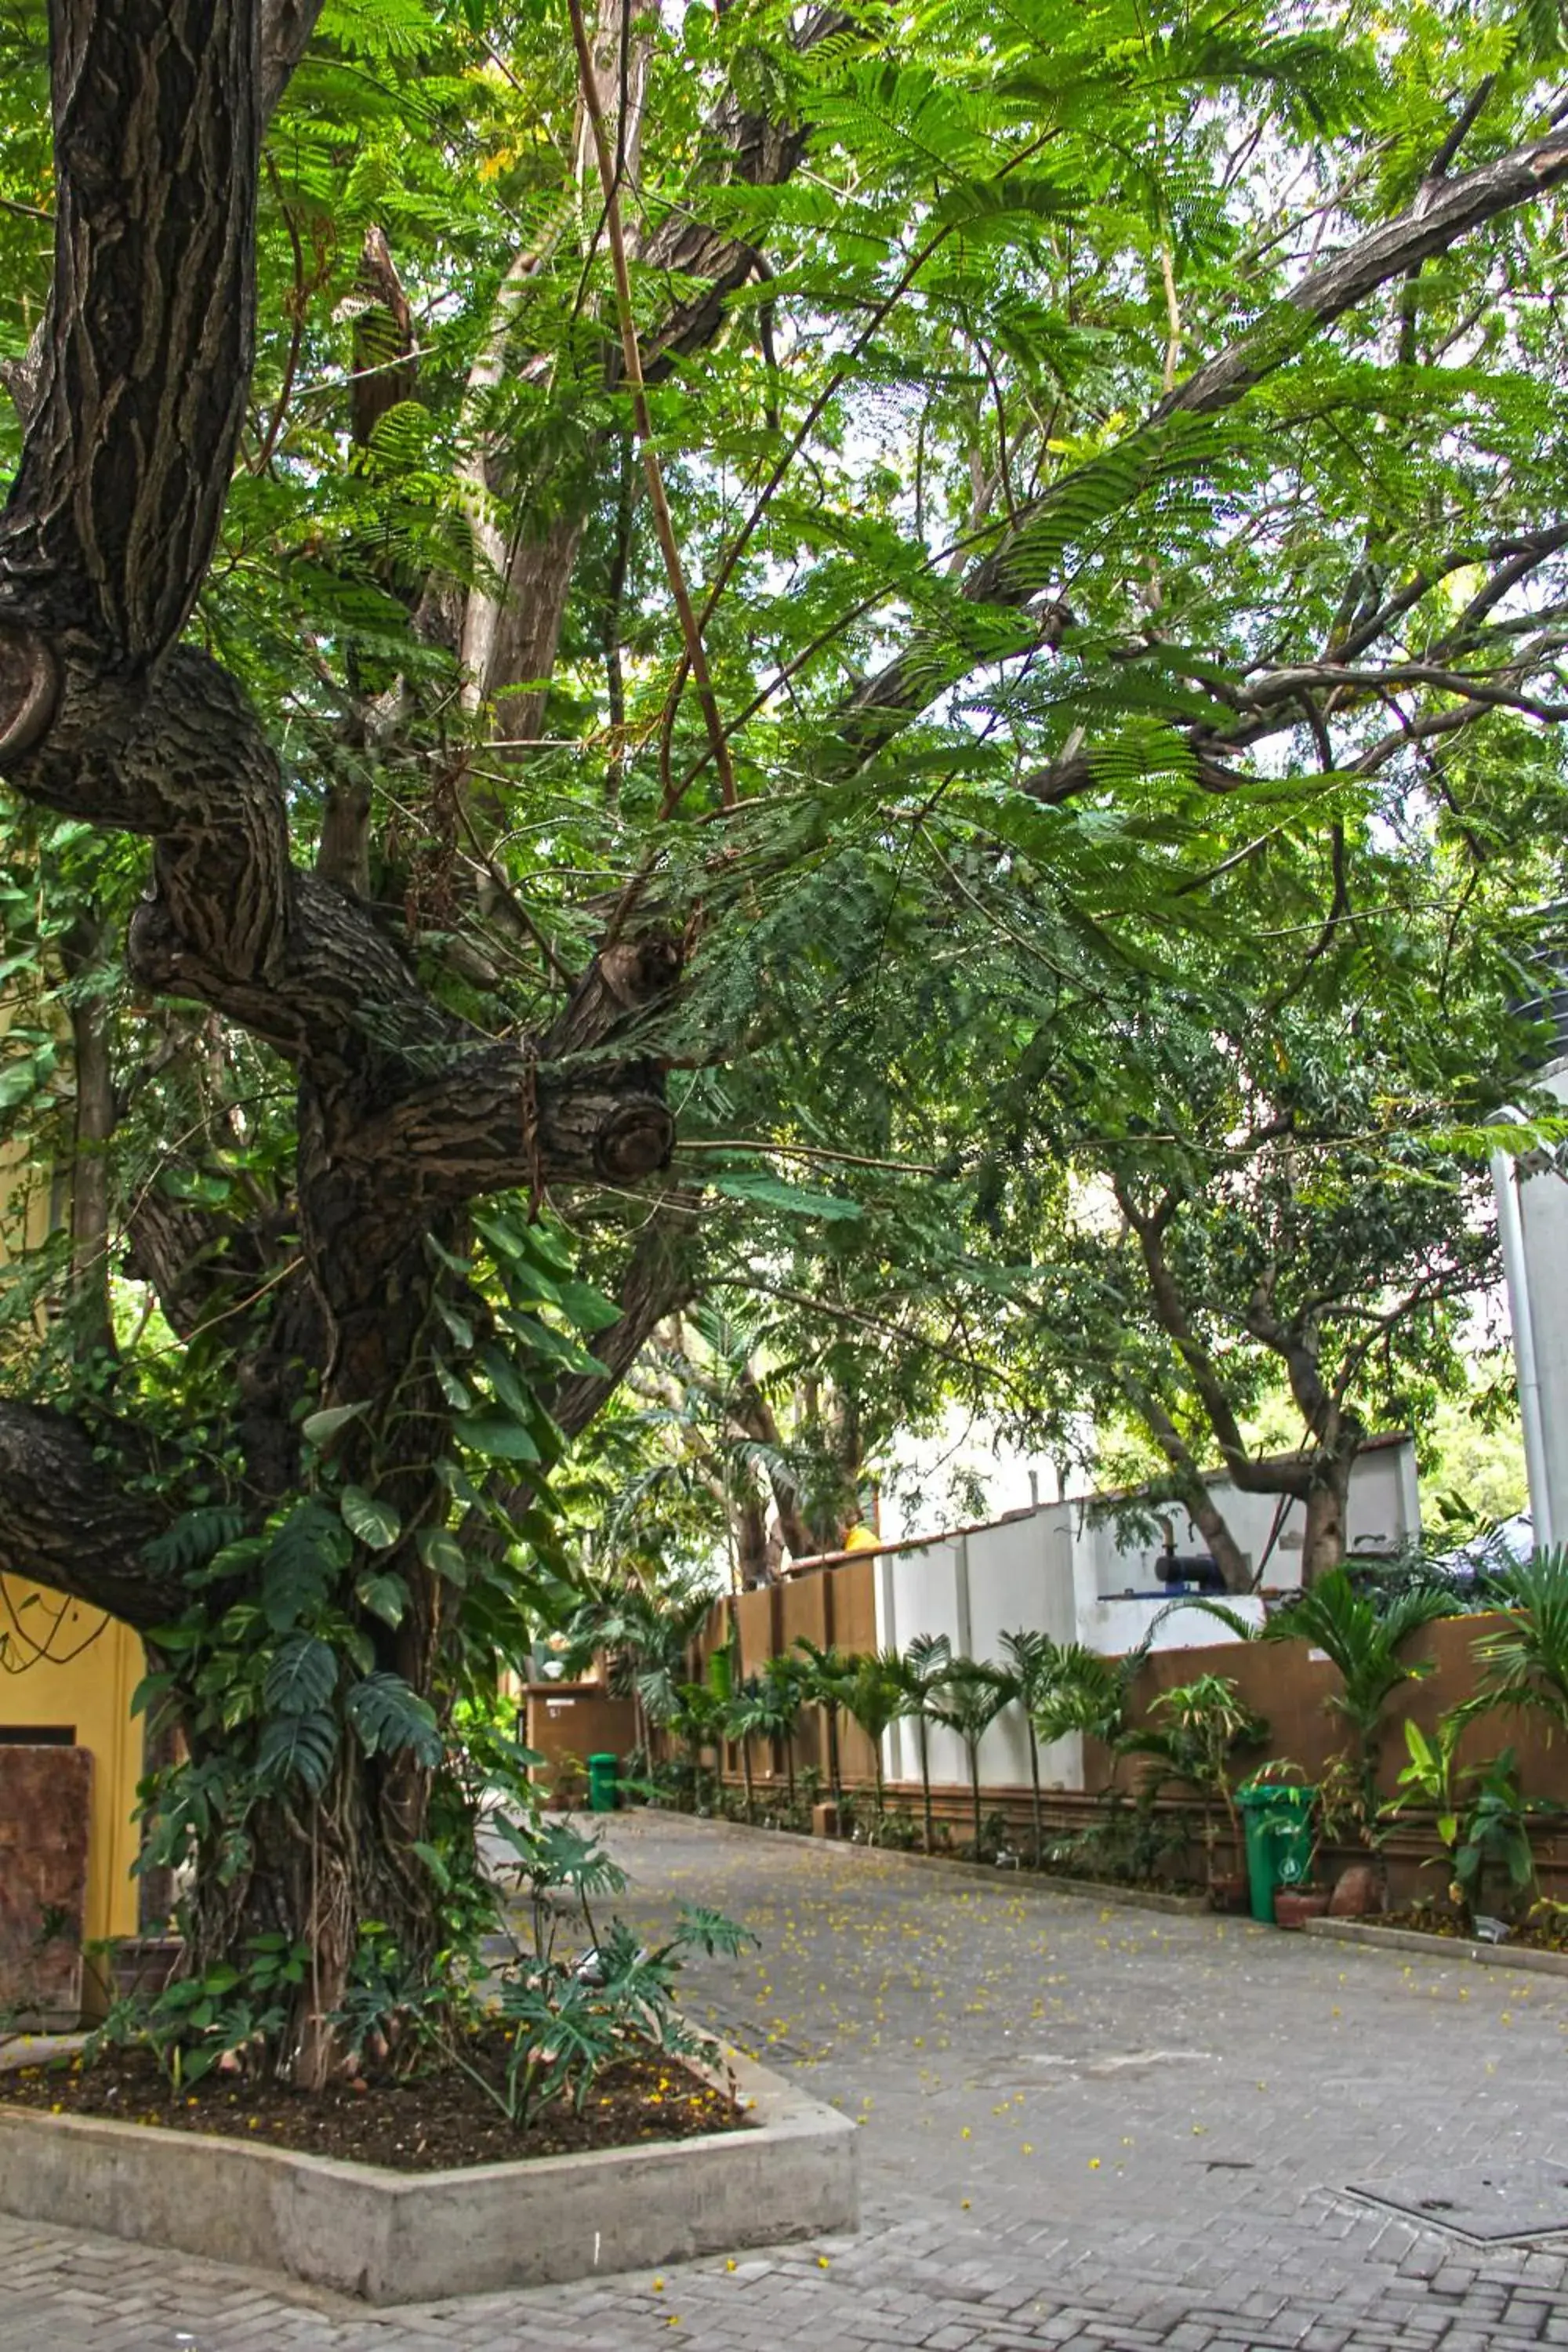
(1292,1905)
(1228,1893)
(1358,1892)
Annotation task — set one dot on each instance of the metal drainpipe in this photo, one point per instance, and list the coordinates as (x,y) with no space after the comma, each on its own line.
(1510,1236)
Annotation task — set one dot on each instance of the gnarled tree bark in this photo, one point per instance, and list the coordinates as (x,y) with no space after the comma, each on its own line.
(405,1113)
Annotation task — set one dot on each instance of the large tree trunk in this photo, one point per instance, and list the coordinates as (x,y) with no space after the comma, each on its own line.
(319,1868)
(1212,1525)
(407,1113)
(1324,1538)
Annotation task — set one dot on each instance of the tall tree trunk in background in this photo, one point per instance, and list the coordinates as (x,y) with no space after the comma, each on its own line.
(1326,1535)
(1212,1525)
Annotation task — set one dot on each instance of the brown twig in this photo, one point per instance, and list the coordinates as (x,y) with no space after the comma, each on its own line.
(664,526)
(297,309)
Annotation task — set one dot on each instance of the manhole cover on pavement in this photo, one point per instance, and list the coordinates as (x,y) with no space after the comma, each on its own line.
(1488,2205)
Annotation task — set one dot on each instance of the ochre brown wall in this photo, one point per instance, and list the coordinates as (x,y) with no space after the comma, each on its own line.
(1294,1691)
(569,1722)
(1283,1682)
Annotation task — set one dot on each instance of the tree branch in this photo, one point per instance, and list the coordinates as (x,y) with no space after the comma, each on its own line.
(660,1280)
(1011,573)
(67,1522)
(286,29)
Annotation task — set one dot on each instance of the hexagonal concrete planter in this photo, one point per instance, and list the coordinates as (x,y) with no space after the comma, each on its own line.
(407,2237)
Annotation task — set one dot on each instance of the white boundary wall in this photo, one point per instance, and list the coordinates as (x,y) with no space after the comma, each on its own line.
(1532,1219)
(1062,1572)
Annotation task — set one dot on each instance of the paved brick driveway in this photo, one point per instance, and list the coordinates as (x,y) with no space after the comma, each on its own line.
(1081,2127)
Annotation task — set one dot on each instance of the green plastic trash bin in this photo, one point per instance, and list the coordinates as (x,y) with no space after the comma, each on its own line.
(1277,1821)
(603,1793)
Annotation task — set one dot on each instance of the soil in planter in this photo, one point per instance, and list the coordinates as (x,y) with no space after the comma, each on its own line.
(426,2122)
(1528,1936)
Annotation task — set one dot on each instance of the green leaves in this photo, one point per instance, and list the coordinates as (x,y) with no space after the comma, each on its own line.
(300,1748)
(301,1677)
(499,1436)
(442,1554)
(320,1428)
(373,1521)
(387,1717)
(385,1596)
(308,1552)
(789,1200)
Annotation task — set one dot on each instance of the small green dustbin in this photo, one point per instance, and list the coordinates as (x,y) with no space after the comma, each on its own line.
(604,1793)
(1277,1821)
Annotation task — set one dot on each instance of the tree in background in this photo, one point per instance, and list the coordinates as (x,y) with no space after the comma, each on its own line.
(1284,1202)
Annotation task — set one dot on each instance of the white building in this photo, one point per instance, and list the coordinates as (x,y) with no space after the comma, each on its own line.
(1533,1226)
(1061,1569)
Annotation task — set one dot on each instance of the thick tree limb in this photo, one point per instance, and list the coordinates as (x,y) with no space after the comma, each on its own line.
(660,1280)
(738,146)
(1009,574)
(286,29)
(510,626)
(1170,1313)
(65,1521)
(115,508)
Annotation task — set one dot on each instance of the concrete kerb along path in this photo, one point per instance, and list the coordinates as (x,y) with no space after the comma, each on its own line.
(400,2237)
(952,1866)
(1438,1949)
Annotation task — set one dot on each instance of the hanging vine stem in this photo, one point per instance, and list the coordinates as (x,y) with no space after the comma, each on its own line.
(694,659)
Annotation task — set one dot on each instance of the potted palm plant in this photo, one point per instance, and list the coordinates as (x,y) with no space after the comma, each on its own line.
(1363,1633)
(1202,1726)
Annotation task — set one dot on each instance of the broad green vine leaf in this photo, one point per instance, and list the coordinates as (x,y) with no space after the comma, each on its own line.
(498,1435)
(442,1554)
(385,1595)
(374,1523)
(301,1745)
(301,1677)
(318,1427)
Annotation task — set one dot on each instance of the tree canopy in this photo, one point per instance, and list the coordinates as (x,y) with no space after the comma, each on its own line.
(717,660)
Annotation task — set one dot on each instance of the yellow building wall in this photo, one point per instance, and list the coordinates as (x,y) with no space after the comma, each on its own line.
(91,1664)
(84,1682)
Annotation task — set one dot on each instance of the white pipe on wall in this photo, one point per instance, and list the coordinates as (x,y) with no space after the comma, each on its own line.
(1510,1236)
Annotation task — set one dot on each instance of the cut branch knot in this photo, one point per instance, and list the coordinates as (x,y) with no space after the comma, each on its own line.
(634,1141)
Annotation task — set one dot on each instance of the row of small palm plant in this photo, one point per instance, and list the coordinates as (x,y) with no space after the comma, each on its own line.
(1059,1688)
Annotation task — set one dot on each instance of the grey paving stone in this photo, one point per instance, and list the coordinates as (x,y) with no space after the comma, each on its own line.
(1083,2129)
